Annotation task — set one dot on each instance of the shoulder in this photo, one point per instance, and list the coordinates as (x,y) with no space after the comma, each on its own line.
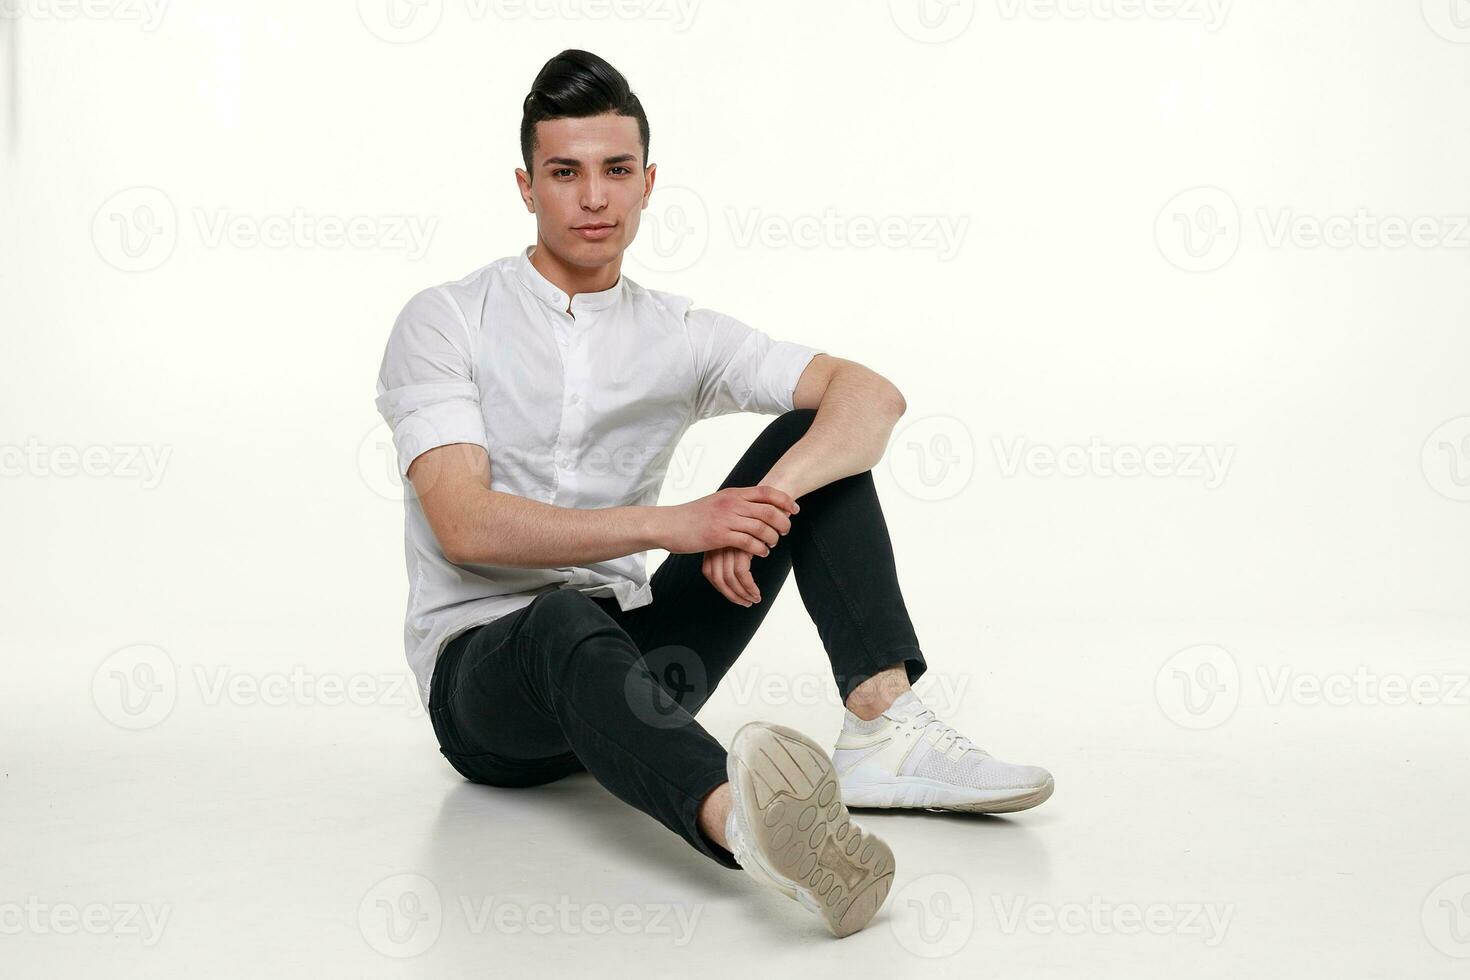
(658,303)
(461,300)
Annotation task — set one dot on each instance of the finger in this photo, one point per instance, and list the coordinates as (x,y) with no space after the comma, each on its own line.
(746,542)
(757,529)
(769,514)
(713,571)
(771,495)
(743,576)
(727,577)
(735,560)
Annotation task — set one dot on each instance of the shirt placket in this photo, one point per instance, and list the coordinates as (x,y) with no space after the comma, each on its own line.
(573,414)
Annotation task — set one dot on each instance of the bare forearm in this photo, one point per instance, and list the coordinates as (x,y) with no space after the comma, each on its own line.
(504,529)
(848,435)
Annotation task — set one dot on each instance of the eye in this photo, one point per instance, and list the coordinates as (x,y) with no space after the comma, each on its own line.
(561,170)
(623,169)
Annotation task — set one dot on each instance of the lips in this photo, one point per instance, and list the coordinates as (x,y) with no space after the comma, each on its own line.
(594,232)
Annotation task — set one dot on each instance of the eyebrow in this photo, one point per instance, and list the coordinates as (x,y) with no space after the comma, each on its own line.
(569,162)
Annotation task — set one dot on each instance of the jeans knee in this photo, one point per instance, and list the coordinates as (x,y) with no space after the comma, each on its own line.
(568,607)
(785,429)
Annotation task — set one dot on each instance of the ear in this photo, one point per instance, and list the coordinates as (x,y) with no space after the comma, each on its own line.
(649,173)
(523,184)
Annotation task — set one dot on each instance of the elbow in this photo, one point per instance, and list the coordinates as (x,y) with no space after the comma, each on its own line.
(895,401)
(452,553)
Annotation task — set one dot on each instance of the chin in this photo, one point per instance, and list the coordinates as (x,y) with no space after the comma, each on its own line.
(598,253)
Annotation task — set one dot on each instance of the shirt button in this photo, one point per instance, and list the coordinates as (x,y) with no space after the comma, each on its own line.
(576,398)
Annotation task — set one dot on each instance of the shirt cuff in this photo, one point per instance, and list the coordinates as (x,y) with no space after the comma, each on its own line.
(780,371)
(424,417)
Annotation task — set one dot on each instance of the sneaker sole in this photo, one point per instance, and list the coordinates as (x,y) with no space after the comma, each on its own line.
(921,794)
(791,801)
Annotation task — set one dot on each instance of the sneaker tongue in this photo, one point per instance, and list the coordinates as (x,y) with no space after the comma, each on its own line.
(905,706)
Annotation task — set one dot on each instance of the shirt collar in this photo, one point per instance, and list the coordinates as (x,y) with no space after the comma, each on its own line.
(554,296)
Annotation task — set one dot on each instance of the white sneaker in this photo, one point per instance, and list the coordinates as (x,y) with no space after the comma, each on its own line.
(907,757)
(789,829)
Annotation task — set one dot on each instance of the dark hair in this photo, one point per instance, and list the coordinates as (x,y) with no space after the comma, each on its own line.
(573,85)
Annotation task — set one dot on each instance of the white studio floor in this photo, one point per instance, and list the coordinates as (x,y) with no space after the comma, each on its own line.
(1290,836)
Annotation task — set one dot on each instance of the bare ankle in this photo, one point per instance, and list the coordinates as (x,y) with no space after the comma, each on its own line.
(713,813)
(873,696)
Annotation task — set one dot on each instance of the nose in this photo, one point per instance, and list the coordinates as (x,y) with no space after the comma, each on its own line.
(594,195)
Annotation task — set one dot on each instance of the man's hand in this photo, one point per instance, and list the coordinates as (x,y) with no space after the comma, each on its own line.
(728,569)
(746,519)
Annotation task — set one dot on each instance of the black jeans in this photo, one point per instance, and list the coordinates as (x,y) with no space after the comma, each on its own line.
(570,682)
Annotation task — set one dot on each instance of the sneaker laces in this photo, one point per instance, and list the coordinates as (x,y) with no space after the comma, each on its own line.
(946,737)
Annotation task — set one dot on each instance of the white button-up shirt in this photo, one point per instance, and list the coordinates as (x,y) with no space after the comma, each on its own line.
(579,409)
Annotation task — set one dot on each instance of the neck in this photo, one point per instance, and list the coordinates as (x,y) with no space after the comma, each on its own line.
(573,279)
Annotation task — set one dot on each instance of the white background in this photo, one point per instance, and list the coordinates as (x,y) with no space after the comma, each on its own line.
(1130,193)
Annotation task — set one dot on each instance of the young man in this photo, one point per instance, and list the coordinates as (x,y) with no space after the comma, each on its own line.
(535,405)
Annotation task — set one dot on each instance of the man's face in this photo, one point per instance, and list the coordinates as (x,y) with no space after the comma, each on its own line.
(589,187)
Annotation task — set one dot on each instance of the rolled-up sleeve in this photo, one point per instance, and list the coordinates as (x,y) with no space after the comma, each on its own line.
(426,388)
(740,368)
